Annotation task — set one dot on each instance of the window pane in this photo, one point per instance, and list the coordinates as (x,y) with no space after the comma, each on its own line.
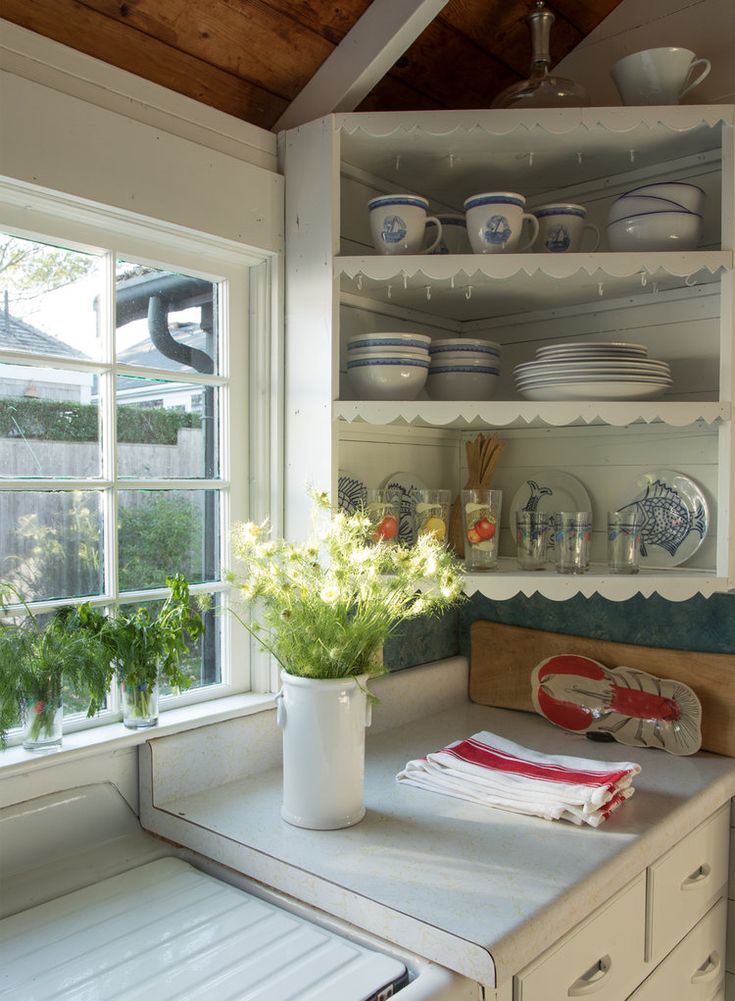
(202,664)
(51,542)
(166,429)
(164,532)
(165,320)
(49,422)
(53,297)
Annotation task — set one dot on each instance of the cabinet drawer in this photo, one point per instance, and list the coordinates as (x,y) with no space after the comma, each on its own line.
(695,970)
(602,956)
(683,884)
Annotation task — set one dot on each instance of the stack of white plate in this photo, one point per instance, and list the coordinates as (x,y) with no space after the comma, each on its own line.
(599,370)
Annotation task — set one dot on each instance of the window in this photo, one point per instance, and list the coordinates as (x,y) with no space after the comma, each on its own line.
(123,405)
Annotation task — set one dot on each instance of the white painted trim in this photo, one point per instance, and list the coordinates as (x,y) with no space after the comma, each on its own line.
(61,68)
(115,737)
(361,59)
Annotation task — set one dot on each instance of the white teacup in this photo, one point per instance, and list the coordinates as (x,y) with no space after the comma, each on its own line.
(657,76)
(454,238)
(398,224)
(561,227)
(495,222)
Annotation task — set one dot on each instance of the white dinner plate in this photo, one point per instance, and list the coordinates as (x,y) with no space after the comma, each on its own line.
(551,380)
(550,368)
(616,346)
(674,513)
(548,490)
(594,391)
(404,488)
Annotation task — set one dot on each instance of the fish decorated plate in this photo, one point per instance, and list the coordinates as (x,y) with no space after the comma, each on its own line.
(404,489)
(674,515)
(351,493)
(548,490)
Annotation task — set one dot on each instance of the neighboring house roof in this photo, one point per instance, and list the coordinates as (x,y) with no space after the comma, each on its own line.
(17,335)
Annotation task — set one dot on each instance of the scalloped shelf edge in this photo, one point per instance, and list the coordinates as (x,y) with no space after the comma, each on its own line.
(562,120)
(679,587)
(378,268)
(435,414)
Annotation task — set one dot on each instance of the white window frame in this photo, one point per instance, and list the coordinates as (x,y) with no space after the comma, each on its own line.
(250,377)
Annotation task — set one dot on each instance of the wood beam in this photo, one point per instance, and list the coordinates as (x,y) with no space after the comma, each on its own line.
(363,57)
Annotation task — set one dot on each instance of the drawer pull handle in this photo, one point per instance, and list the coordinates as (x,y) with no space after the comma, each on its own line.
(697,877)
(708,970)
(592,980)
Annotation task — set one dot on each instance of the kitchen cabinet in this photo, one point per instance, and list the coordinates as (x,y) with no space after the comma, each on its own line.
(679,304)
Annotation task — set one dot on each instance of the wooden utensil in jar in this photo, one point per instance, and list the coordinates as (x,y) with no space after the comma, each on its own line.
(483,456)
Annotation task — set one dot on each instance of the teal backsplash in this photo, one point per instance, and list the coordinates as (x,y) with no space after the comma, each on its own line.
(706,624)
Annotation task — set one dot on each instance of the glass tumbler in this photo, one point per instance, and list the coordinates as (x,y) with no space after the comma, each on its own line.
(481,518)
(532,535)
(384,511)
(572,539)
(431,513)
(623,541)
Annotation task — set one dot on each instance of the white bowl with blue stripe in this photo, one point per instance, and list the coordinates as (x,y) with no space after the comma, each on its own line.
(387,377)
(462,381)
(475,346)
(389,339)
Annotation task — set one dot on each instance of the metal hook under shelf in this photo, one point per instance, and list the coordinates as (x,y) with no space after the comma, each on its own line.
(468,292)
(428,292)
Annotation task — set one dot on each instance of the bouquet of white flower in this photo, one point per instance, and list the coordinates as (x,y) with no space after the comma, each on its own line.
(325,607)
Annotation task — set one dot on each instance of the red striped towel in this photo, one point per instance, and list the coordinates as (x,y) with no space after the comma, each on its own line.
(497,772)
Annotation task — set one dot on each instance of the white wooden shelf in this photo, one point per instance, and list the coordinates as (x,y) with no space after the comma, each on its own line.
(676,584)
(512,414)
(480,286)
(679,304)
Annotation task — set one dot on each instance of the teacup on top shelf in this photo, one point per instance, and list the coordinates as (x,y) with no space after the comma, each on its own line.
(398,224)
(657,76)
(495,221)
(562,227)
(454,239)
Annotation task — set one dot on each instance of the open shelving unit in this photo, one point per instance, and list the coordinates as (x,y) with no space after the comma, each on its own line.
(680,304)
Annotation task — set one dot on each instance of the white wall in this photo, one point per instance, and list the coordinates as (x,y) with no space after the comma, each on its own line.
(74,125)
(707,27)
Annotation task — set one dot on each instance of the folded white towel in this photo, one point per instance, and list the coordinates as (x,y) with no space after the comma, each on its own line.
(497,772)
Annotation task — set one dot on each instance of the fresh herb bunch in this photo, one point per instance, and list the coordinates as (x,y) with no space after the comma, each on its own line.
(36,659)
(328,605)
(142,647)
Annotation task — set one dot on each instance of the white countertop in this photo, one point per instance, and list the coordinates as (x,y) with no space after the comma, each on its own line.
(463,885)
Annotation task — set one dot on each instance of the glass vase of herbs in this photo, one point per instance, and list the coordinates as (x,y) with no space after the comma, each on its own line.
(146,650)
(38,655)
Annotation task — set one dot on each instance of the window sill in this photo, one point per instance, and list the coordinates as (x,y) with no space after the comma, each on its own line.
(115,736)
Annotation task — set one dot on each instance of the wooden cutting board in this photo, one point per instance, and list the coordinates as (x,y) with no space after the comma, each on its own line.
(503,657)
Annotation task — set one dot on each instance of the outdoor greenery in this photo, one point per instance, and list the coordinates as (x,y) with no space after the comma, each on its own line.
(53,420)
(328,605)
(36,659)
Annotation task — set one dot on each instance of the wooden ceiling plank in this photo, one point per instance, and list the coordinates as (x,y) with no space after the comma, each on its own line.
(328,19)
(361,59)
(246,38)
(501,29)
(439,66)
(585,15)
(75,24)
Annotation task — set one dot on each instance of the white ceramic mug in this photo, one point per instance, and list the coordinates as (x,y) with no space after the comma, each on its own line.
(495,222)
(454,238)
(657,76)
(561,227)
(398,224)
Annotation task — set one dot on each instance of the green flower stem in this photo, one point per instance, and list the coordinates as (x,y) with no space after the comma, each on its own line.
(42,721)
(139,702)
